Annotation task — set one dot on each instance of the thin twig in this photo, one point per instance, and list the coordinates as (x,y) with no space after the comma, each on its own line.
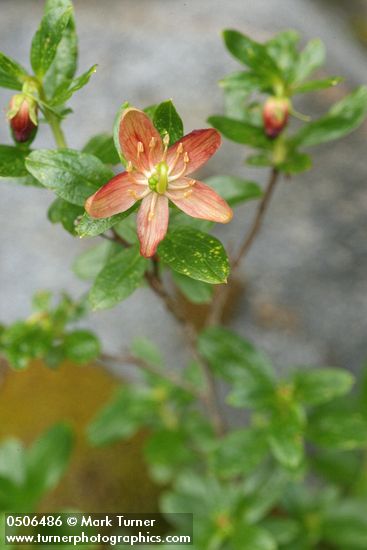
(258,221)
(120,240)
(220,299)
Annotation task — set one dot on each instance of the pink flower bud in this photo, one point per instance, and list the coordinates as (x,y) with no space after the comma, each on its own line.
(275,115)
(22,116)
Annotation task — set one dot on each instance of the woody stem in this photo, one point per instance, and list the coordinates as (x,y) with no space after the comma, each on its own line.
(220,301)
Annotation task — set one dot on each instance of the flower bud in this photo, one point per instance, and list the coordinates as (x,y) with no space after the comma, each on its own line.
(275,115)
(22,116)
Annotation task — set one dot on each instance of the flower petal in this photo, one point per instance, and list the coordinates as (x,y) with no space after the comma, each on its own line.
(201,201)
(152,222)
(200,145)
(136,127)
(116,196)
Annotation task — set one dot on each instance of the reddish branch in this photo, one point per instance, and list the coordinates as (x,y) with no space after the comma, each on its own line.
(220,300)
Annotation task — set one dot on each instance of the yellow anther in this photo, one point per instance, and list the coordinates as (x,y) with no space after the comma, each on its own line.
(150,216)
(187,193)
(186,158)
(192,183)
(129,167)
(134,194)
(179,149)
(152,143)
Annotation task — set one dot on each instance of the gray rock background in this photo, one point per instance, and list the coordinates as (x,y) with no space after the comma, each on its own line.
(306,300)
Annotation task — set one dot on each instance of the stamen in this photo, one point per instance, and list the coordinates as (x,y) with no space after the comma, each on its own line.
(179,152)
(165,143)
(134,194)
(187,193)
(129,167)
(139,149)
(185,185)
(152,207)
(152,144)
(186,160)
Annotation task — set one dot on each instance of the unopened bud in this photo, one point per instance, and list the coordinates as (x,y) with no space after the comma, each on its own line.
(23,119)
(275,115)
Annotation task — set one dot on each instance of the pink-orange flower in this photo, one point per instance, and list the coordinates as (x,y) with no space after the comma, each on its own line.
(157,174)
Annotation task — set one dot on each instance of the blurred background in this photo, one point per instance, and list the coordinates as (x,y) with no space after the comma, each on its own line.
(306,284)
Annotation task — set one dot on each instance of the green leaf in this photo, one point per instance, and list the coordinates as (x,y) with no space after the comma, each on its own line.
(12,162)
(47,460)
(240,452)
(90,263)
(235,190)
(195,254)
(72,175)
(284,530)
(338,427)
(195,291)
(67,88)
(315,85)
(91,227)
(344,117)
(345,525)
(321,385)
(312,57)
(250,53)
(168,450)
(286,437)
(261,160)
(126,229)
(338,467)
(12,75)
(241,132)
(262,490)
(122,274)
(295,163)
(283,50)
(232,357)
(23,341)
(177,219)
(81,346)
(12,461)
(63,67)
(64,212)
(147,351)
(167,121)
(150,110)
(122,417)
(252,537)
(12,165)
(41,301)
(246,81)
(47,39)
(102,146)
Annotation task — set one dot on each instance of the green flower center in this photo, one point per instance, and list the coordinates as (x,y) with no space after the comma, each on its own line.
(158,181)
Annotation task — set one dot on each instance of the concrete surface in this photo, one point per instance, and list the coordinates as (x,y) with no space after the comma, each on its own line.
(307,286)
